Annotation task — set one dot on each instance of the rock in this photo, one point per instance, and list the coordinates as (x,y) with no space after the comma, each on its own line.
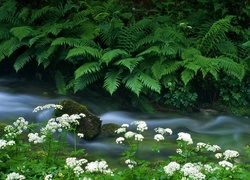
(90,125)
(109,129)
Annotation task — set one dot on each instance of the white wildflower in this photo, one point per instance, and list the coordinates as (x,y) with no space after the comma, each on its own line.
(227,165)
(139,137)
(218,155)
(131,163)
(193,171)
(34,137)
(47,106)
(228,154)
(158,137)
(171,168)
(179,151)
(120,130)
(14,175)
(141,125)
(185,137)
(163,131)
(48,177)
(80,135)
(120,140)
(129,134)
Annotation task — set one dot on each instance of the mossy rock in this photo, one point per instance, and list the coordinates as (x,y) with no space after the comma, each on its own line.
(2,126)
(109,129)
(90,125)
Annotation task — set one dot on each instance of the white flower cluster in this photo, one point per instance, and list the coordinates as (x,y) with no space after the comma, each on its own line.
(4,143)
(139,137)
(129,134)
(208,147)
(227,165)
(76,165)
(34,137)
(120,140)
(56,124)
(193,171)
(159,137)
(131,163)
(122,129)
(14,176)
(185,137)
(98,166)
(171,168)
(47,106)
(48,177)
(163,131)
(228,154)
(18,127)
(141,125)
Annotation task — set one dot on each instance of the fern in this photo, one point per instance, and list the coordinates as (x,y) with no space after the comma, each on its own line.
(149,82)
(60,83)
(21,32)
(108,56)
(133,83)
(112,81)
(87,68)
(187,75)
(23,59)
(215,34)
(84,51)
(130,63)
(85,80)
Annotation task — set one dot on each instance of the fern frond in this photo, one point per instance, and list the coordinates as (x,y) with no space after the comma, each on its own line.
(133,83)
(87,68)
(84,51)
(187,75)
(215,34)
(231,68)
(24,14)
(60,83)
(130,63)
(85,80)
(23,59)
(37,14)
(150,50)
(66,41)
(108,56)
(21,32)
(150,82)
(112,81)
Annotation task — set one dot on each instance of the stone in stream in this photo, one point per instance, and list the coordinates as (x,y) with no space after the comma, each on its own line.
(90,125)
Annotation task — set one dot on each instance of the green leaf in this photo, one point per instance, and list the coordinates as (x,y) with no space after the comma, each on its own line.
(150,82)
(84,51)
(130,63)
(133,83)
(187,75)
(21,32)
(112,81)
(87,68)
(110,55)
(23,59)
(150,50)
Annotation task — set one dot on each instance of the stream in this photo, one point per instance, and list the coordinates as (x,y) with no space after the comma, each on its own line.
(19,97)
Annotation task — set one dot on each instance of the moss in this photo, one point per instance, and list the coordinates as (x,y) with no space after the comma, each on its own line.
(109,129)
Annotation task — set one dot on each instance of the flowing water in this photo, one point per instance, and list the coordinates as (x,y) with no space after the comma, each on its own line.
(19,98)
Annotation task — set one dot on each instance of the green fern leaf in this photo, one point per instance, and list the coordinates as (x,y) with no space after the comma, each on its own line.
(84,51)
(150,50)
(41,12)
(187,75)
(91,67)
(85,80)
(23,59)
(231,68)
(65,41)
(21,32)
(60,83)
(112,81)
(130,63)
(112,54)
(150,82)
(133,83)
